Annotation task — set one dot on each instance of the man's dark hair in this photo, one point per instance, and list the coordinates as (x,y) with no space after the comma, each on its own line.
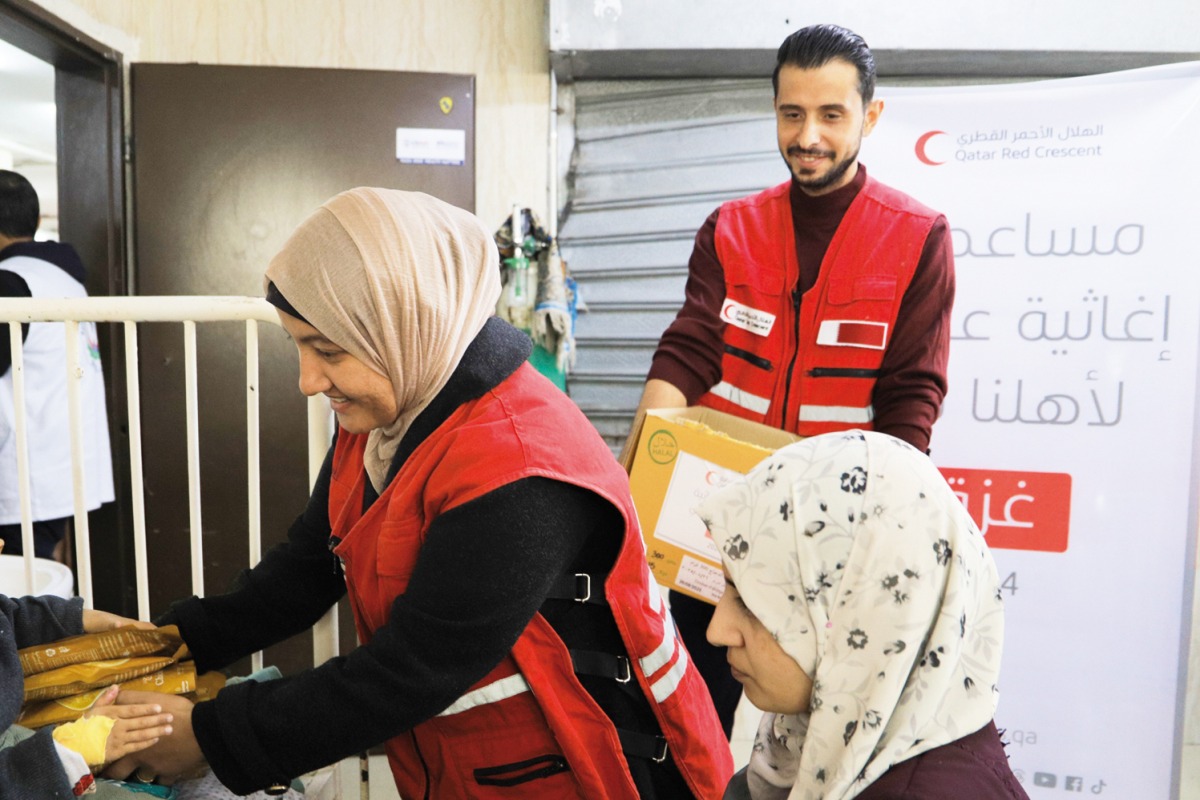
(19,208)
(817,45)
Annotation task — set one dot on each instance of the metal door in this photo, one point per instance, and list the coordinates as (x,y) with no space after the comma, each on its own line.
(226,161)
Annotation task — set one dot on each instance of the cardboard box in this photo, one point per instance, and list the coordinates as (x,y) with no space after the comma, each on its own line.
(682,455)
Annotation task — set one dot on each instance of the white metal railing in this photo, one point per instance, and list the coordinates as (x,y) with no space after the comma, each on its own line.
(130,311)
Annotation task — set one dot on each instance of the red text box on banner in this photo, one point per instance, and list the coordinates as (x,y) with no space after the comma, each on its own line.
(1016,510)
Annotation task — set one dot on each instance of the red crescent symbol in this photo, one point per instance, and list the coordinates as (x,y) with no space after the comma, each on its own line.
(920,148)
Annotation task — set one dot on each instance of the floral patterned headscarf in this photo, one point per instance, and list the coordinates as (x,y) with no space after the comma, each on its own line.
(855,554)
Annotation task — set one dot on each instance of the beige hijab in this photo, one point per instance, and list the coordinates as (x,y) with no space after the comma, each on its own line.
(403,282)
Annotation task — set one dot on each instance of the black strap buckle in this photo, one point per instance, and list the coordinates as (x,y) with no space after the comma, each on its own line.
(578,587)
(602,665)
(583,587)
(643,745)
(624,670)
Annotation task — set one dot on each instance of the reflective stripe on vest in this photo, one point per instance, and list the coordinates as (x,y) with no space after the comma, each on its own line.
(665,686)
(848,414)
(494,692)
(740,397)
(658,658)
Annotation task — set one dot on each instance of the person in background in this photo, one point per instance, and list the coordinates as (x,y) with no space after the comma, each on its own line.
(818,305)
(862,613)
(42,270)
(47,764)
(514,643)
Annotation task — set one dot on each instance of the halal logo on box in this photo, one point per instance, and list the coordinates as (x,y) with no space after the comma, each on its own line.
(662,447)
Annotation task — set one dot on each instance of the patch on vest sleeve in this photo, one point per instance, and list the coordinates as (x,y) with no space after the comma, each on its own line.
(853,333)
(747,318)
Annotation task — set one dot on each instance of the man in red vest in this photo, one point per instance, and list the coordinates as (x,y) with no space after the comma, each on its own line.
(821,304)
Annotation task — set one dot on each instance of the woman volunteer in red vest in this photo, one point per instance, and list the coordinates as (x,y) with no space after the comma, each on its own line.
(513,641)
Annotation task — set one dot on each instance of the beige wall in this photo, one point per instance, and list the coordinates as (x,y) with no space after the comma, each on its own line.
(502,43)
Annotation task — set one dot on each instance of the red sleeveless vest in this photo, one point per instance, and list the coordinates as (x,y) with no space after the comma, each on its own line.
(530,714)
(810,367)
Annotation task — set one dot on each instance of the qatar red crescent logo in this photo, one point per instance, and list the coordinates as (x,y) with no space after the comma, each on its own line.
(922,143)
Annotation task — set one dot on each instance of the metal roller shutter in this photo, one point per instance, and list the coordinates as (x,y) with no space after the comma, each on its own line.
(652,160)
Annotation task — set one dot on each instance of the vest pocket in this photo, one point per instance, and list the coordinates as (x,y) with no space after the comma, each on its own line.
(753,314)
(843,372)
(396,548)
(750,358)
(845,290)
(494,751)
(756,276)
(517,773)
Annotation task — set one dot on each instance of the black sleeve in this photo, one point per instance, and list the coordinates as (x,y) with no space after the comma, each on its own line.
(483,572)
(11,285)
(285,593)
(40,619)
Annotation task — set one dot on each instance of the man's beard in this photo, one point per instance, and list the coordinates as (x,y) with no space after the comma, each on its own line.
(835,173)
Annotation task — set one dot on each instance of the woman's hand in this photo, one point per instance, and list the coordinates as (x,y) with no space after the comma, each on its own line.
(173,756)
(136,727)
(99,621)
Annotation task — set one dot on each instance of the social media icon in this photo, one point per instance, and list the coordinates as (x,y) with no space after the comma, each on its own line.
(1073,783)
(1047,780)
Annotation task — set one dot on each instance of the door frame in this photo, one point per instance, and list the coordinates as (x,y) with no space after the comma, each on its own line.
(89,107)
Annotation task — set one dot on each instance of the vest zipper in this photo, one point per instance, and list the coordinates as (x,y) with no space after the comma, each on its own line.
(787,386)
(842,372)
(746,355)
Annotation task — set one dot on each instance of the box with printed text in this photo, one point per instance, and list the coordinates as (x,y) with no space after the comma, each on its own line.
(682,455)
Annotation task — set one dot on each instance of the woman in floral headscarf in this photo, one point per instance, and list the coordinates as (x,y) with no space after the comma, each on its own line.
(862,612)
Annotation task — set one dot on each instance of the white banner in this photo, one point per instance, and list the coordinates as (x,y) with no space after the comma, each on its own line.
(1069,429)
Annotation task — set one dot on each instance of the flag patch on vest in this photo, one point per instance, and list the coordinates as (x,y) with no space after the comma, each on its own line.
(853,333)
(747,318)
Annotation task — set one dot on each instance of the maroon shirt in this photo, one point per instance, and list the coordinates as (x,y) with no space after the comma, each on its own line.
(974,767)
(912,378)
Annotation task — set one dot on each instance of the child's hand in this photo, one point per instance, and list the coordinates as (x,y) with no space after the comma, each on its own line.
(137,726)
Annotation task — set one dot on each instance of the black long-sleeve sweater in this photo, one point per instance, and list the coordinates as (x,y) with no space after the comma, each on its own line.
(468,600)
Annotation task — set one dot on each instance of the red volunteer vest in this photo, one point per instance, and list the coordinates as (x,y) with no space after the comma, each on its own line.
(815,373)
(530,718)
